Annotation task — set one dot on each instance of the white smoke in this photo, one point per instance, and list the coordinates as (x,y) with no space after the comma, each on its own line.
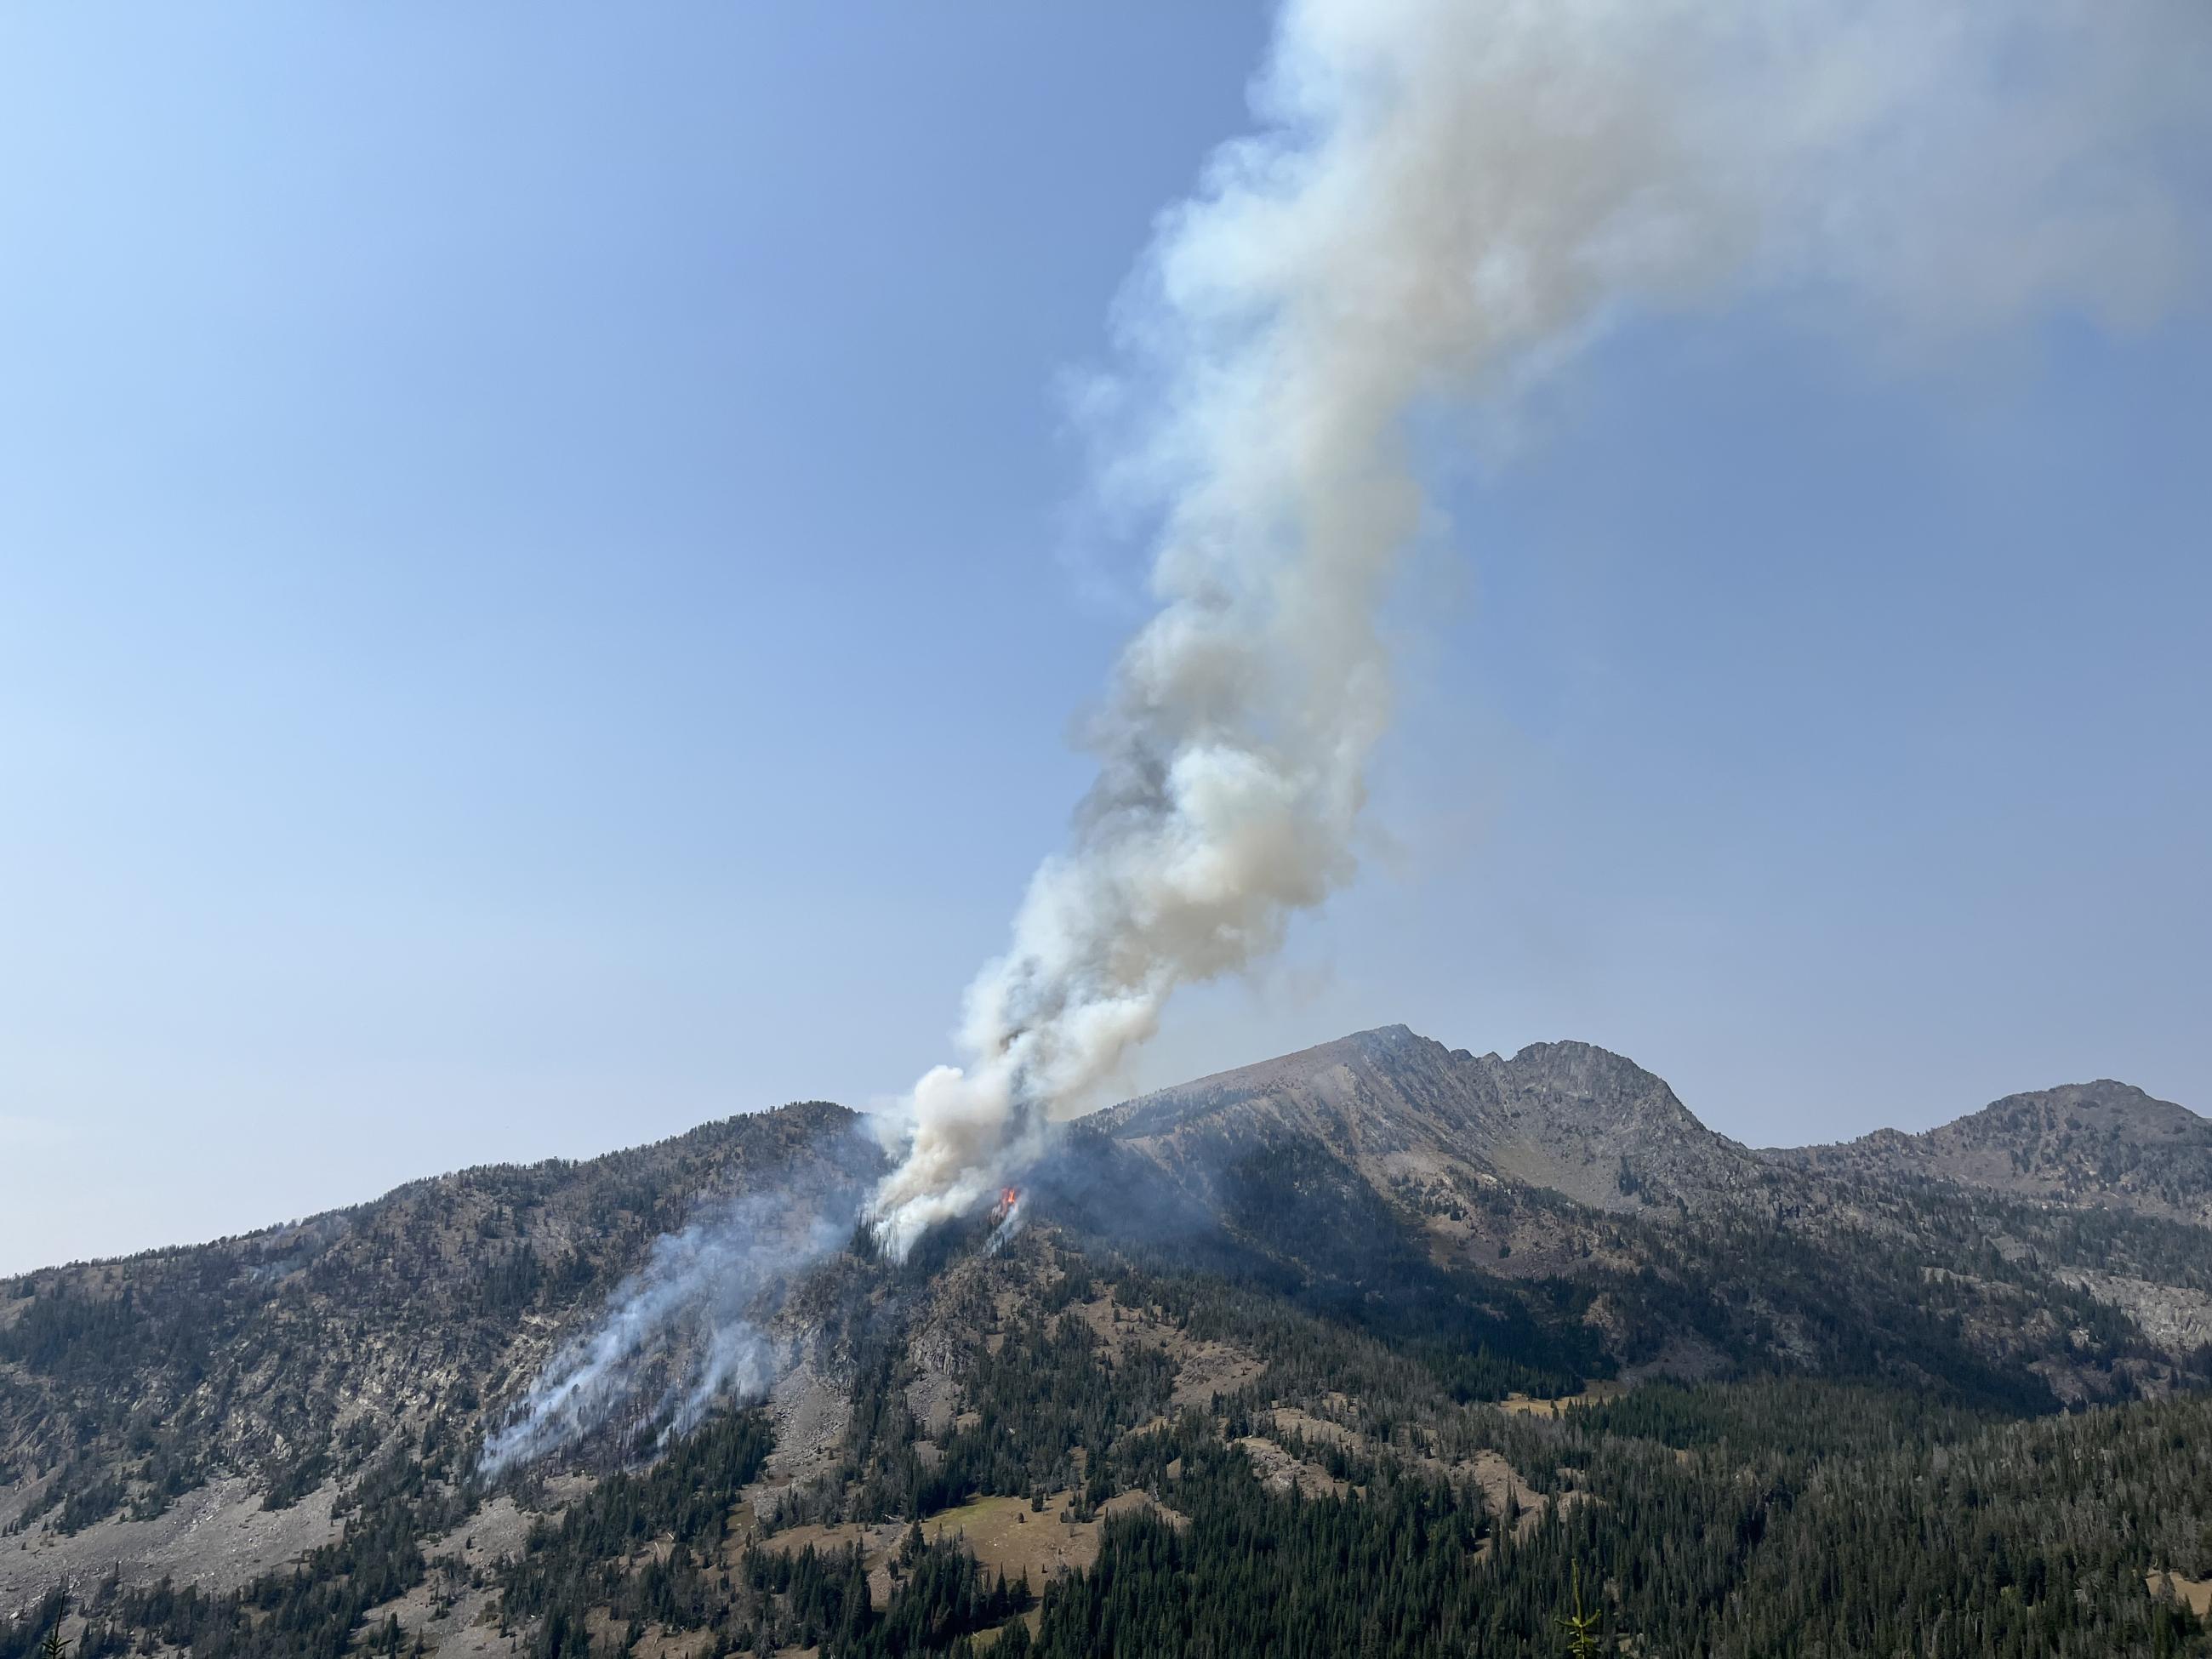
(1448,197)
(1009,1224)
(682,1332)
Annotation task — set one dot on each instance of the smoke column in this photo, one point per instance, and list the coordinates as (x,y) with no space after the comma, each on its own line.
(1447,200)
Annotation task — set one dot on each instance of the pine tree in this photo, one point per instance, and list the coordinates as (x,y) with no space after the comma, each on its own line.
(1581,1627)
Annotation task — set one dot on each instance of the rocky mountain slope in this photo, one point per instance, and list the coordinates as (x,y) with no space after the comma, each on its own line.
(1357,1246)
(213,1388)
(2102,1143)
(1384,1155)
(1567,1117)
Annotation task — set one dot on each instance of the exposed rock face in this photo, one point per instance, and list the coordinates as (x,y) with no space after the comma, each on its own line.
(2101,1143)
(1569,1117)
(1604,1131)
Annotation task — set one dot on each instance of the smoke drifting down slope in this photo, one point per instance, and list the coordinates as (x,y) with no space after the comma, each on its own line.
(1445,201)
(684,1329)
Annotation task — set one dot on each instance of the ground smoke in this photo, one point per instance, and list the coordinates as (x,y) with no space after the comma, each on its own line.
(683,1330)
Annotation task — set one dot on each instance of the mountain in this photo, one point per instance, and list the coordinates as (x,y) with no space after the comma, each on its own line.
(2102,1143)
(1385,1157)
(202,1410)
(1304,1313)
(1567,1117)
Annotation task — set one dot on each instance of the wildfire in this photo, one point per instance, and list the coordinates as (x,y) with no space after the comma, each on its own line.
(1009,1199)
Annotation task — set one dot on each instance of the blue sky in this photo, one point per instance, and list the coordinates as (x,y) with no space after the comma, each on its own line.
(543,588)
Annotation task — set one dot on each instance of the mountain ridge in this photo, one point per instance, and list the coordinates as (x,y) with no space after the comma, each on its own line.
(2179,1123)
(1568,1116)
(2104,1141)
(1489,1224)
(1550,1112)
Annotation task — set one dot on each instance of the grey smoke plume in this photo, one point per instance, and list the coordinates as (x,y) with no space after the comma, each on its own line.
(682,1331)
(1447,199)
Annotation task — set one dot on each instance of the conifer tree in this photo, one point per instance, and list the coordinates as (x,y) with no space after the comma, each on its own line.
(1581,1627)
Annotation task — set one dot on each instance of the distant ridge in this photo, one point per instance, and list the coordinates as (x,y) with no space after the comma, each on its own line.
(2100,1143)
(1593,1126)
(1569,1117)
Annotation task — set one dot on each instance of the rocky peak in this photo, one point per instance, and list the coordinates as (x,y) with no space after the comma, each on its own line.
(2104,1143)
(1598,1127)
(2105,1108)
(1569,1116)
